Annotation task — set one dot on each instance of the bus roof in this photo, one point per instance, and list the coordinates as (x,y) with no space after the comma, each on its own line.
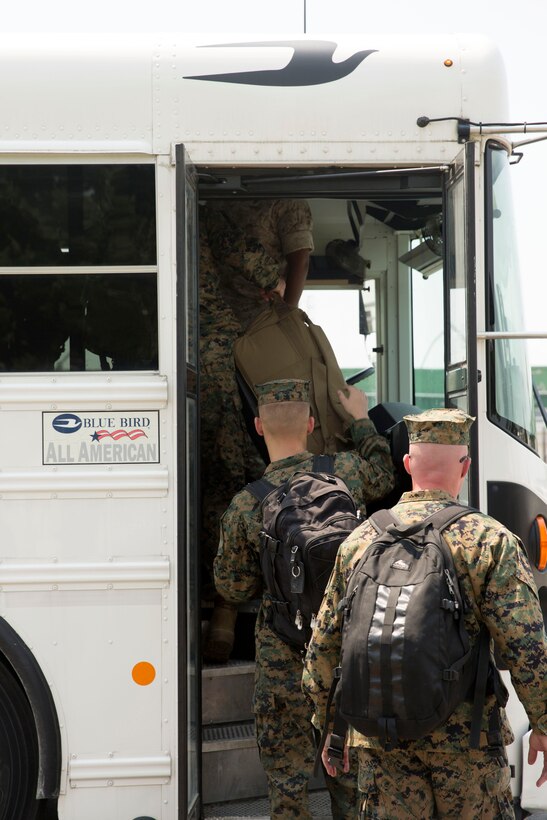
(298,100)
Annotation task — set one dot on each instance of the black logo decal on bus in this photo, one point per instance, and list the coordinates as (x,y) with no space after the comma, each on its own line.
(311,64)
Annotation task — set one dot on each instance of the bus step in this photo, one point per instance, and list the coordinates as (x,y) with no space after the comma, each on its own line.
(258,808)
(227,692)
(231,767)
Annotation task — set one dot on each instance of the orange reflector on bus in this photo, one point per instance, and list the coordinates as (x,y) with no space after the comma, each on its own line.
(539,542)
(143,673)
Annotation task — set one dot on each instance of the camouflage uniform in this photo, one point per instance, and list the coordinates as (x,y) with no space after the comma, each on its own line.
(438,775)
(250,240)
(283,716)
(239,256)
(222,435)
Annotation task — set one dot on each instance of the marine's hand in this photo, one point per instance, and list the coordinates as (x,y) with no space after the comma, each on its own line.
(354,402)
(538,743)
(331,767)
(279,290)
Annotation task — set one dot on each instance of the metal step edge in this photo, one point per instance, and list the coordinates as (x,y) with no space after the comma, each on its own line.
(230,669)
(227,746)
(224,737)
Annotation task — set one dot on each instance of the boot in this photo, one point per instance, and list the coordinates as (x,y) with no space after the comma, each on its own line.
(220,639)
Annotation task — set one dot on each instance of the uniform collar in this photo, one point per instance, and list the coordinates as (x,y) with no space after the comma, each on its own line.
(289,461)
(426,495)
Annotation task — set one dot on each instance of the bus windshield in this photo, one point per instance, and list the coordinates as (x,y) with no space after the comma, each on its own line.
(509,374)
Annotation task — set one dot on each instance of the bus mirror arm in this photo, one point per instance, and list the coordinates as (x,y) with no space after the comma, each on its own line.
(464,125)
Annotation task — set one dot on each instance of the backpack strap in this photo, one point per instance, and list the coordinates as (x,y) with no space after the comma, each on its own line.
(496,746)
(447,515)
(260,488)
(323,463)
(339,729)
(479,696)
(487,672)
(268,545)
(337,740)
(381,520)
(440,519)
(486,669)
(329,379)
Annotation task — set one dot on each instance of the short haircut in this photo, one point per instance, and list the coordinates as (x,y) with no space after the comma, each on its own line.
(285,418)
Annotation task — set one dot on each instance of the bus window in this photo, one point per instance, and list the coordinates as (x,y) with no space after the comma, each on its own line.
(510,397)
(428,339)
(77,215)
(54,315)
(344,315)
(455,260)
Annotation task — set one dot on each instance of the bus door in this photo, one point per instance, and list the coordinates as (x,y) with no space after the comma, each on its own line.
(461,373)
(187,494)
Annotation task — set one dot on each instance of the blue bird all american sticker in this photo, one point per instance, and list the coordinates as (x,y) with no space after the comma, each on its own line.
(101,438)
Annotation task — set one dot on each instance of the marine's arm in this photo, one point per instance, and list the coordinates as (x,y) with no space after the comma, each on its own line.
(509,605)
(295,276)
(294,229)
(372,476)
(511,610)
(237,572)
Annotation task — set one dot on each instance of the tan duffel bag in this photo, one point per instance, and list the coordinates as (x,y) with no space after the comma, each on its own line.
(282,343)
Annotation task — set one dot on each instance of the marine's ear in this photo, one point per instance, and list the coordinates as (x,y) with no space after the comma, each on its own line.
(406,463)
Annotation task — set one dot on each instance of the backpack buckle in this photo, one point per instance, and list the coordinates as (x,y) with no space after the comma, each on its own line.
(495,740)
(335,751)
(497,753)
(451,674)
(269,544)
(387,731)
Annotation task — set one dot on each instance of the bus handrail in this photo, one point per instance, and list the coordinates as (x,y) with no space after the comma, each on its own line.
(518,334)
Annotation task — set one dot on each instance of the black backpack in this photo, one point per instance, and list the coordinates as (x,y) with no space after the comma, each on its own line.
(406,661)
(304,521)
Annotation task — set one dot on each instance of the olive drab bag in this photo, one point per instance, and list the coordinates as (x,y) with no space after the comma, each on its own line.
(406,661)
(282,343)
(304,521)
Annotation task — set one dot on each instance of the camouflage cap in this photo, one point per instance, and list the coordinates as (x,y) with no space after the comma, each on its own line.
(440,425)
(282,390)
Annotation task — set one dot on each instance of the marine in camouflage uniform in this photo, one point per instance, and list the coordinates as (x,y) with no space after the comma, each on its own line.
(243,251)
(283,716)
(255,243)
(222,434)
(438,775)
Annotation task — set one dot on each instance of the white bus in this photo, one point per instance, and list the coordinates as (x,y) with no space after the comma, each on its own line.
(106,145)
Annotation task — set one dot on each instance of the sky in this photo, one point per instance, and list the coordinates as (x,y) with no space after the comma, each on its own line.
(517,28)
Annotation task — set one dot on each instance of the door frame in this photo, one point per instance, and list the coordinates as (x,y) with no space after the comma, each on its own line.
(187,396)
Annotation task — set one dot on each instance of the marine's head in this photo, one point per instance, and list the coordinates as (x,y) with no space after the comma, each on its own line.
(283,390)
(284,414)
(440,425)
(438,456)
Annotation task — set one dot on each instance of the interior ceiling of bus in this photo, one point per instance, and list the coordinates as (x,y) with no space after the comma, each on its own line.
(404,200)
